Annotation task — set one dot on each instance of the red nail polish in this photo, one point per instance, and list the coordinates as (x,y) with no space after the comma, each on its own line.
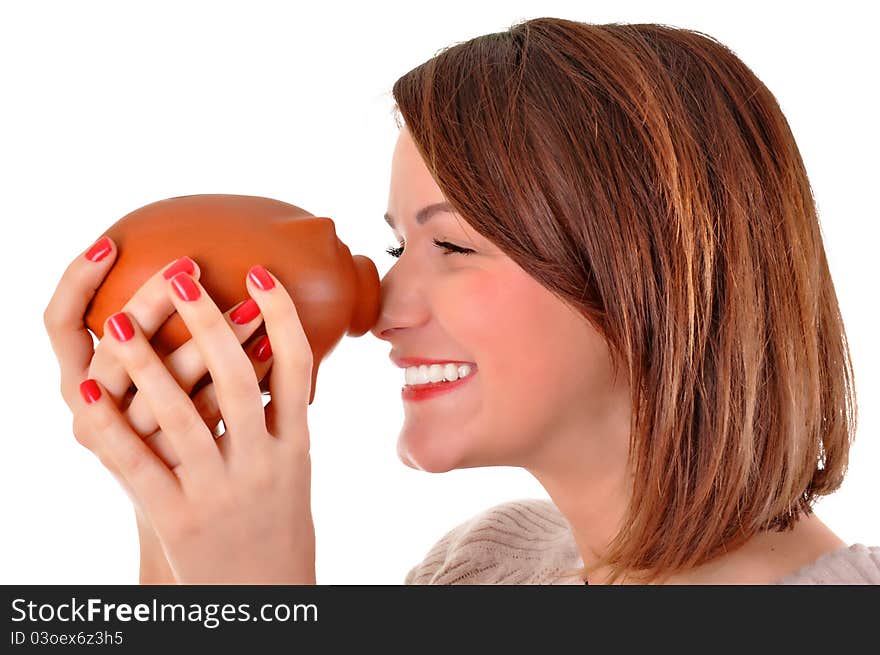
(260,276)
(263,350)
(245,312)
(100,249)
(120,326)
(182,265)
(185,287)
(90,391)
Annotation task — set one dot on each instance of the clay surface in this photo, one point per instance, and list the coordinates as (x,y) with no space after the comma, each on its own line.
(335,293)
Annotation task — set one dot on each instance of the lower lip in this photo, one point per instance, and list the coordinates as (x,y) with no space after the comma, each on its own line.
(425,391)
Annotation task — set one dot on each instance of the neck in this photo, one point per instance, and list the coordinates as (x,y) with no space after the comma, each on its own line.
(590,488)
(763,559)
(767,556)
(591,492)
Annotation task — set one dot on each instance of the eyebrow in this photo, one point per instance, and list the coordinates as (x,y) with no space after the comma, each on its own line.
(425,213)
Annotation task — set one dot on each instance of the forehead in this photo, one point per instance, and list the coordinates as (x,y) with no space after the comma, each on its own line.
(413,191)
(408,168)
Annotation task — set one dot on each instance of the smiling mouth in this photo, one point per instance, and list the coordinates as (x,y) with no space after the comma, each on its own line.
(431,389)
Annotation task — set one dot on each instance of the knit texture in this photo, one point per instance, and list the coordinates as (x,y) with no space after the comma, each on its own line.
(530,542)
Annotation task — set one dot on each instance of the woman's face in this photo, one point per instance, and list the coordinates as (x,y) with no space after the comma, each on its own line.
(541,382)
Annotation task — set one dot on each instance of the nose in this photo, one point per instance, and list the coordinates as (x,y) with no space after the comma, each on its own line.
(401,303)
(404,299)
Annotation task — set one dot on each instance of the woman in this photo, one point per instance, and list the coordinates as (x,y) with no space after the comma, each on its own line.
(607,232)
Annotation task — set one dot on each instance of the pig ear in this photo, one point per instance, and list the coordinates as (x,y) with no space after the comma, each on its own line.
(321,231)
(366,296)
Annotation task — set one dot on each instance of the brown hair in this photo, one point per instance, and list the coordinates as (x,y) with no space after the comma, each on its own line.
(647,177)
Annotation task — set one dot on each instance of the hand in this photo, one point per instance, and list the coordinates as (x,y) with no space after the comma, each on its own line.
(72,344)
(238,511)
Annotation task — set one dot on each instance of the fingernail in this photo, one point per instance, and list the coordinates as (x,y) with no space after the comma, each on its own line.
(260,277)
(185,287)
(90,391)
(121,326)
(263,350)
(245,312)
(100,249)
(182,265)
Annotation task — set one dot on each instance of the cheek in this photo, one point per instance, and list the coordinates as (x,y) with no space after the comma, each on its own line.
(516,331)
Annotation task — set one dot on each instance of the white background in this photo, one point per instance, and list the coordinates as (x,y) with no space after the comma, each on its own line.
(108,106)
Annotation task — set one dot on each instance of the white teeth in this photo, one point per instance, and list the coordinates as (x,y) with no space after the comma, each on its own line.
(435,373)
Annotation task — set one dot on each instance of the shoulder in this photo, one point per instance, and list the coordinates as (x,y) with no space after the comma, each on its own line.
(849,565)
(524,541)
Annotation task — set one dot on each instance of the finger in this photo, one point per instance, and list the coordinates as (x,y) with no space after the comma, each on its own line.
(63,316)
(86,435)
(186,364)
(205,402)
(155,487)
(174,411)
(290,379)
(150,307)
(236,386)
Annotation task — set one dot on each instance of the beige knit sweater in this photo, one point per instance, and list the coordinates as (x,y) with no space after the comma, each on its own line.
(530,542)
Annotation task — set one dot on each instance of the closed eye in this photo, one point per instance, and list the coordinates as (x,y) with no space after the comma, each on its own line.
(454,249)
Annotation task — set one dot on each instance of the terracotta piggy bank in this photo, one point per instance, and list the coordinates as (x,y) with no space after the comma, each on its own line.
(335,293)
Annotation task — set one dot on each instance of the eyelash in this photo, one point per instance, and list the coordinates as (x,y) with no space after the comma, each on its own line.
(456,250)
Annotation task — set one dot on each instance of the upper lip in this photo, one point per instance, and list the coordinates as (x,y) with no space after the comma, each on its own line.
(403,362)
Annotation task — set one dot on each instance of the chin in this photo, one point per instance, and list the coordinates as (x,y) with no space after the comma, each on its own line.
(422,457)
(442,457)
